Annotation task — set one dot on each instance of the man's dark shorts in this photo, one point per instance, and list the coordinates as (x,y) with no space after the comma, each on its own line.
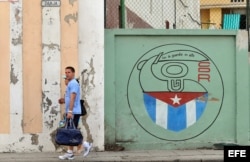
(76,119)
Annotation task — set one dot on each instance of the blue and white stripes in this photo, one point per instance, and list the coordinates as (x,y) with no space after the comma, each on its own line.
(174,118)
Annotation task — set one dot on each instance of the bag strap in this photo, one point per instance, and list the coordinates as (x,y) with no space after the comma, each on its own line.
(81,88)
(70,123)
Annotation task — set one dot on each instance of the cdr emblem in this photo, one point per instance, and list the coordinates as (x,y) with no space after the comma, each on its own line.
(175,92)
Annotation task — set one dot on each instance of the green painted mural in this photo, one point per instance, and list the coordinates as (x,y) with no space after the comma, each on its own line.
(166,88)
(176,85)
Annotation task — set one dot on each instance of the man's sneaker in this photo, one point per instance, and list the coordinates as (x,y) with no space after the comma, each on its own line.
(87,149)
(67,156)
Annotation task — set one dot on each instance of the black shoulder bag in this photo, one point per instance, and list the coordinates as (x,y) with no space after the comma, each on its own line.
(83,109)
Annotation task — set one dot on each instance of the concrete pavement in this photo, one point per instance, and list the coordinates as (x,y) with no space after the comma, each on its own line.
(128,156)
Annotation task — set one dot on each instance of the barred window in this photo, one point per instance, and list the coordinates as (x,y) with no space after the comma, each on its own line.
(237,0)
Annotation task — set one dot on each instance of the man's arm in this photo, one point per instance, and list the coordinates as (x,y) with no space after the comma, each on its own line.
(71,105)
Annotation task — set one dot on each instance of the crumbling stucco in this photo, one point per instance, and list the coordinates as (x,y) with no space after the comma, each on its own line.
(89,137)
(34,139)
(87,84)
(88,77)
(49,124)
(46,102)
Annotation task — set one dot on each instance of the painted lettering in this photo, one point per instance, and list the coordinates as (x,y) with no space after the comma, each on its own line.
(236,153)
(51,3)
(204,71)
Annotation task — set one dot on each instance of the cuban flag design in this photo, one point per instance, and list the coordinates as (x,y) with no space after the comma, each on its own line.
(175,111)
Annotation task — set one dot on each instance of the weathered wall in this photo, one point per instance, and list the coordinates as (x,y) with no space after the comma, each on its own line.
(176,89)
(91,67)
(37,43)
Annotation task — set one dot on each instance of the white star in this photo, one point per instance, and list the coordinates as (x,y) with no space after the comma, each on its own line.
(176,100)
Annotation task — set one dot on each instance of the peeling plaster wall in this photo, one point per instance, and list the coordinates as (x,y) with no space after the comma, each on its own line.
(51,64)
(50,58)
(36,53)
(16,86)
(91,65)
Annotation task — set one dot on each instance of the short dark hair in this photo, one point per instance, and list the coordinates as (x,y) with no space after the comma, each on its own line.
(70,68)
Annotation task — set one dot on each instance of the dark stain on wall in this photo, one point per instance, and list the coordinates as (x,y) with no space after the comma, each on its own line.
(16,41)
(34,139)
(69,17)
(40,148)
(54,111)
(51,46)
(46,102)
(17,17)
(21,139)
(23,125)
(13,77)
(49,124)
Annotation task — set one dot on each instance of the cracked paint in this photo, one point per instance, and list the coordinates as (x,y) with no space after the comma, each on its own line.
(49,124)
(92,72)
(47,103)
(88,77)
(50,58)
(34,139)
(43,96)
(87,84)
(86,126)
(54,111)
(68,17)
(51,46)
(16,41)
(13,77)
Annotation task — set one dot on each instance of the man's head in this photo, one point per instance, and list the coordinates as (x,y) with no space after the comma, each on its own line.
(70,72)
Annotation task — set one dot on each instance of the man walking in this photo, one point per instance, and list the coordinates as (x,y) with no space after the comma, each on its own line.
(72,107)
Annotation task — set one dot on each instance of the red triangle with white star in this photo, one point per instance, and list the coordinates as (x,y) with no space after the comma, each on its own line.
(176,98)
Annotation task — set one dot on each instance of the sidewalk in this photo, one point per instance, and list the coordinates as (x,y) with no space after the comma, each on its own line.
(128,156)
